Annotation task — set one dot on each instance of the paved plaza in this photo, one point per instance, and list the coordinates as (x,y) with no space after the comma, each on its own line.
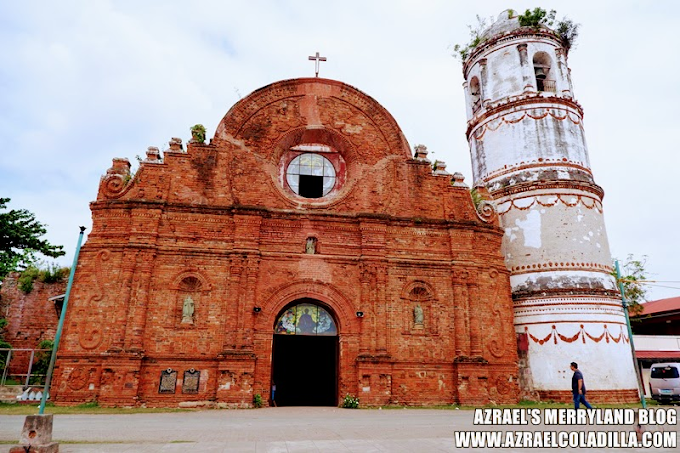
(286,429)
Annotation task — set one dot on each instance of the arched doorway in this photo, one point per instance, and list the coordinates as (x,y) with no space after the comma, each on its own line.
(305,356)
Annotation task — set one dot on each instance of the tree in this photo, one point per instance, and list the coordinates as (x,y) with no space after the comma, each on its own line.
(633,275)
(20,240)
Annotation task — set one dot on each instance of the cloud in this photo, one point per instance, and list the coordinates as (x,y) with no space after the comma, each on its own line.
(83,82)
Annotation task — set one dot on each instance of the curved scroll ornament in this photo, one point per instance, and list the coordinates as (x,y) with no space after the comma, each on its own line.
(90,336)
(497,345)
(115,185)
(486,211)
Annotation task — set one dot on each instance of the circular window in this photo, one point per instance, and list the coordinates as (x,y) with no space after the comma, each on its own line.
(310,175)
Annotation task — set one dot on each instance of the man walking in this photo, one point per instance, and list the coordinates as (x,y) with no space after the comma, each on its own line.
(578,387)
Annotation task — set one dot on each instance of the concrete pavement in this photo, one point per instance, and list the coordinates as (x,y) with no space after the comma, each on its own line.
(285,429)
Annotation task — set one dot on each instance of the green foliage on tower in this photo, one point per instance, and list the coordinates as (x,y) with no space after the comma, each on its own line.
(537,18)
(566,29)
(463,51)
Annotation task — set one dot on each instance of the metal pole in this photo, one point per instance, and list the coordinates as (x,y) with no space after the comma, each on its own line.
(630,335)
(57,337)
(4,372)
(30,367)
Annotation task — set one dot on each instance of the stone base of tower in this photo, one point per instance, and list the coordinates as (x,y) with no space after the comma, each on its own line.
(595,397)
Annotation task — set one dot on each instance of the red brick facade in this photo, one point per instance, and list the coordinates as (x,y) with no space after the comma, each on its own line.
(31,317)
(220,224)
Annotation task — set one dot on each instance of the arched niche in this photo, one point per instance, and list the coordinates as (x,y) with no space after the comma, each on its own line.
(475,94)
(543,72)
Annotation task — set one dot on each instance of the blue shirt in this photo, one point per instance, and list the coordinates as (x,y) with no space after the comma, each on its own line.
(574,383)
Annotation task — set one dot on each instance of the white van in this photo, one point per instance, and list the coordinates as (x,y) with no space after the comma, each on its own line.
(664,380)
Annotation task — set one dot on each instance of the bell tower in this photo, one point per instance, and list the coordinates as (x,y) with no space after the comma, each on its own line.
(528,148)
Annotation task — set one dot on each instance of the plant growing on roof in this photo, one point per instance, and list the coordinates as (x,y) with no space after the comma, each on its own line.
(198,133)
(565,29)
(537,18)
(51,274)
(463,51)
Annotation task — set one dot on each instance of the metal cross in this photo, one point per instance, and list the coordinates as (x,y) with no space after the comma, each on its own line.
(317,59)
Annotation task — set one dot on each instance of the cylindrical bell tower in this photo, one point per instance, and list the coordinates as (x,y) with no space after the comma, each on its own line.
(528,149)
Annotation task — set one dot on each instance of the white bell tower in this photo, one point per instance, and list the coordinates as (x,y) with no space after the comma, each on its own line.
(528,148)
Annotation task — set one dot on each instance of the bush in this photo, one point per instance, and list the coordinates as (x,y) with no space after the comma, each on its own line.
(27,278)
(350,402)
(51,274)
(257,401)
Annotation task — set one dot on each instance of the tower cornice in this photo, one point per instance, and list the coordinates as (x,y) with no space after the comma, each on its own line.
(520,34)
(531,186)
(515,102)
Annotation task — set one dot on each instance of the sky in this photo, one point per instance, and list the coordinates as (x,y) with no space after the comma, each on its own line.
(82,82)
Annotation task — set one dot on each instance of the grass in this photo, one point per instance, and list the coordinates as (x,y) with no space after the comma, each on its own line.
(85,408)
(93,408)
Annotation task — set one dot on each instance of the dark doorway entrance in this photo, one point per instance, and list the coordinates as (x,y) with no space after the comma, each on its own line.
(305,370)
(305,356)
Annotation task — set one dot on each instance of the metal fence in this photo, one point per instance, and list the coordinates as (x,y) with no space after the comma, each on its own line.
(19,367)
(546,85)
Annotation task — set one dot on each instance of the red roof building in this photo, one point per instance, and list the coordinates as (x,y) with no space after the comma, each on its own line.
(659,317)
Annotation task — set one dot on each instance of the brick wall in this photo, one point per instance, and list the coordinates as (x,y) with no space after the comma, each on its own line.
(31,317)
(219,224)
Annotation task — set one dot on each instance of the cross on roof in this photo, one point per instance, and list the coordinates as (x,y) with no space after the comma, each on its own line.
(317,59)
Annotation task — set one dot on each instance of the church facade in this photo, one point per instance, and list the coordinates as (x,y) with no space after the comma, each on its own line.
(306,253)
(303,254)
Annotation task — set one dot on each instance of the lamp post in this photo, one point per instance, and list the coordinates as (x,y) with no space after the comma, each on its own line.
(630,334)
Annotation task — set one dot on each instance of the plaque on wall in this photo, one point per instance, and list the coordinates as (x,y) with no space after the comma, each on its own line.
(190,383)
(168,381)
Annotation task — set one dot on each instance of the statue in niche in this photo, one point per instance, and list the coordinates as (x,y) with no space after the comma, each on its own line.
(418,315)
(310,247)
(188,311)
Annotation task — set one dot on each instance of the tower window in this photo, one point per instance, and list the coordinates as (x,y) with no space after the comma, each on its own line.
(475,94)
(310,175)
(542,66)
